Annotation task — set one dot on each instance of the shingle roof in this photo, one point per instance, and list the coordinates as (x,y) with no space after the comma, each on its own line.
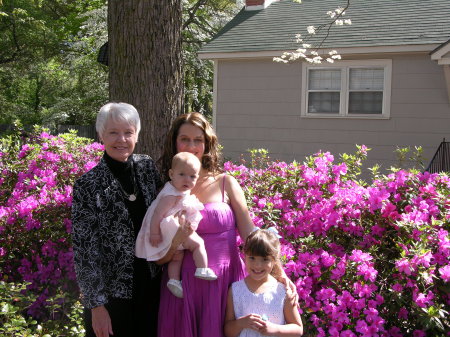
(374,23)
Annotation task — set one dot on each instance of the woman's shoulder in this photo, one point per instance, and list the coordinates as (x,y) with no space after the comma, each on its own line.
(142,158)
(146,166)
(92,174)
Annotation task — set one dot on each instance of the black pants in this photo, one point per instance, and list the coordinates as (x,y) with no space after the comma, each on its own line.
(136,317)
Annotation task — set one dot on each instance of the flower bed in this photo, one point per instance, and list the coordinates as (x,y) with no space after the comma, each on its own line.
(37,174)
(367,259)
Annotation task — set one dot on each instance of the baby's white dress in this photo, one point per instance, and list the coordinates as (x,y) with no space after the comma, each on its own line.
(269,305)
(169,225)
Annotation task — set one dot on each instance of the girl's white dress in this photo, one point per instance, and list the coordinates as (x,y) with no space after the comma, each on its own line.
(269,305)
(169,225)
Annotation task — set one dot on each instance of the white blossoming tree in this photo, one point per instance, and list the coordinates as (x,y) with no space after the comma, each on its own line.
(311,52)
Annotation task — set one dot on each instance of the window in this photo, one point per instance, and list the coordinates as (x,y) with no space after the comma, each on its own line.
(347,89)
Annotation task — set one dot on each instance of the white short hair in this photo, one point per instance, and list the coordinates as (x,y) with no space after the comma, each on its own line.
(123,112)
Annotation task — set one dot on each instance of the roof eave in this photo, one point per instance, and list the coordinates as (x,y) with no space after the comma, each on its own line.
(342,51)
(441,53)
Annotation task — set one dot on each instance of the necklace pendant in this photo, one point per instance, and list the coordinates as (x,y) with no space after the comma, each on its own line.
(132,197)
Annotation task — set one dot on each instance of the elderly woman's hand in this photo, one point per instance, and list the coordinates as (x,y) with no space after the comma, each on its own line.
(101,322)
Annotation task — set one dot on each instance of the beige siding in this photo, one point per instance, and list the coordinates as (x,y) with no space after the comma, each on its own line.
(258,106)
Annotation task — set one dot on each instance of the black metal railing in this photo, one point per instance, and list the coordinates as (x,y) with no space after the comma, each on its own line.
(441,159)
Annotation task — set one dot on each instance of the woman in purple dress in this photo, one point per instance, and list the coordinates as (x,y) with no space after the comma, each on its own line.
(201,312)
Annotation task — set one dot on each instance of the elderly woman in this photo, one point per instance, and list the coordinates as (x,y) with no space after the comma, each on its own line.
(119,291)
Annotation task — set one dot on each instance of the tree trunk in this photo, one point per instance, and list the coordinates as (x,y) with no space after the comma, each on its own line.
(145,64)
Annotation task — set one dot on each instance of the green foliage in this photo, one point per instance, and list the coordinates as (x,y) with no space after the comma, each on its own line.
(14,300)
(259,158)
(49,73)
(200,24)
(48,69)
(410,158)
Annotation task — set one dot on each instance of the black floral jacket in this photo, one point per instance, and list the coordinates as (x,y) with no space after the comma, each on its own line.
(102,231)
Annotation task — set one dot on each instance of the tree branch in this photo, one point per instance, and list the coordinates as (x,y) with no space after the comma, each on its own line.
(330,24)
(192,12)
(15,43)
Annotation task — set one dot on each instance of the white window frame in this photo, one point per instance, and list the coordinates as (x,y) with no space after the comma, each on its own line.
(345,67)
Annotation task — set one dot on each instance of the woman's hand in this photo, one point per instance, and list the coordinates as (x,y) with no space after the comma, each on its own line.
(184,231)
(291,289)
(101,322)
(181,235)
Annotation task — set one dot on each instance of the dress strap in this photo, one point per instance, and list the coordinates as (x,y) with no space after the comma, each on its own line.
(223,187)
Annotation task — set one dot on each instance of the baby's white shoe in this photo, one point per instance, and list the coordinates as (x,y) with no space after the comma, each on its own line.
(205,274)
(175,288)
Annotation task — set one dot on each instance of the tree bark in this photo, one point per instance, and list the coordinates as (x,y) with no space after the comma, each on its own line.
(145,64)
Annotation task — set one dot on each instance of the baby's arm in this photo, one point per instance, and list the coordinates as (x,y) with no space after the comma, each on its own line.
(161,210)
(293,326)
(233,326)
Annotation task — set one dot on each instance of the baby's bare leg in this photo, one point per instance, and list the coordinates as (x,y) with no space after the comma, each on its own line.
(174,267)
(195,244)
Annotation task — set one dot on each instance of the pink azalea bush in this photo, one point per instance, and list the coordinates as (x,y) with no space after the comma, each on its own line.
(367,259)
(37,175)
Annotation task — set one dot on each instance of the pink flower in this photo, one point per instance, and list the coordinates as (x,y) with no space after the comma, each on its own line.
(423,300)
(327,259)
(403,265)
(397,287)
(367,271)
(24,151)
(359,256)
(403,313)
(445,273)
(340,169)
(339,271)
(395,332)
(89,165)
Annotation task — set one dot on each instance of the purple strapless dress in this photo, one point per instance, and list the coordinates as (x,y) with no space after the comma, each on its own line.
(201,313)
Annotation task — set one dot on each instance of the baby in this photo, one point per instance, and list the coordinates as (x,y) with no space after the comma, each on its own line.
(160,224)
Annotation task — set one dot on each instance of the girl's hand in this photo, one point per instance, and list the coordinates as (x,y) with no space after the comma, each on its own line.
(252,321)
(155,239)
(269,329)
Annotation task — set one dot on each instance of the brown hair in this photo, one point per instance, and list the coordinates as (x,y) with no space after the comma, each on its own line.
(264,243)
(211,158)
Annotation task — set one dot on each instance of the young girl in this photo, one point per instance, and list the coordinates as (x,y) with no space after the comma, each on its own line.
(257,305)
(160,225)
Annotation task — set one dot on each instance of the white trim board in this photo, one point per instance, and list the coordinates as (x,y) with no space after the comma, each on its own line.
(343,51)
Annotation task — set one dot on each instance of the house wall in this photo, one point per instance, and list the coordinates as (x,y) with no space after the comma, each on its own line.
(258,106)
